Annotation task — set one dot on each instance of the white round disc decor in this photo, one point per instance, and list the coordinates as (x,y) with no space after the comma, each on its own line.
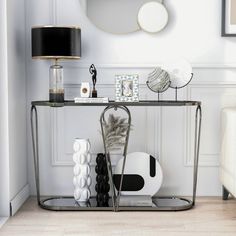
(180,73)
(142,174)
(152,17)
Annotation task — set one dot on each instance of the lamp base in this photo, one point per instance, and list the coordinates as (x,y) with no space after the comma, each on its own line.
(56,88)
(56,96)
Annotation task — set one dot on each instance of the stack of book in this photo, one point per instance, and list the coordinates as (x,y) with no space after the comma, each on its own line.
(134,200)
(91,100)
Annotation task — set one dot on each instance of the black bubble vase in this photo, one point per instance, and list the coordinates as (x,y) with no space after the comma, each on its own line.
(102,186)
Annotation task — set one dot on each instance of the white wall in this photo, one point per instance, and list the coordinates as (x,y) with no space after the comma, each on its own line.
(16,100)
(13,106)
(4,141)
(193,33)
(17,96)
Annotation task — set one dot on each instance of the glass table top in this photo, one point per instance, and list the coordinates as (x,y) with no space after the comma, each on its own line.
(113,103)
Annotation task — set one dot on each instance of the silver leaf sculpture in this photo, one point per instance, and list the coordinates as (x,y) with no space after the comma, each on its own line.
(115,131)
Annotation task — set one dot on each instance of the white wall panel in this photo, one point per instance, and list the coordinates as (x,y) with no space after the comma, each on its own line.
(215,98)
(193,33)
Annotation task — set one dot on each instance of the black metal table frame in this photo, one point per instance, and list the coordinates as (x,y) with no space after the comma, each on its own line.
(186,203)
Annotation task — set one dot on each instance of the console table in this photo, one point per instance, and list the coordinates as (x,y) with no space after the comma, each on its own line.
(168,203)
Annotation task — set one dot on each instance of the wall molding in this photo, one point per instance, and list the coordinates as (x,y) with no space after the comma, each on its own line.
(205,75)
(187,121)
(205,159)
(156,145)
(19,199)
(80,64)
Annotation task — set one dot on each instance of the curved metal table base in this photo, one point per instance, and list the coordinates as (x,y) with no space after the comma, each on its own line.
(159,204)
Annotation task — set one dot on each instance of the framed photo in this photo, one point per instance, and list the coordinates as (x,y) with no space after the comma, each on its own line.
(127,88)
(228,28)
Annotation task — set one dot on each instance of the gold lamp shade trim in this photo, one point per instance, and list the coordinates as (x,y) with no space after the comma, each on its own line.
(57,57)
(56,26)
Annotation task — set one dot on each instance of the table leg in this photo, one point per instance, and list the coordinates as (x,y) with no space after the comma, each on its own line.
(108,161)
(198,122)
(34,135)
(124,154)
(115,197)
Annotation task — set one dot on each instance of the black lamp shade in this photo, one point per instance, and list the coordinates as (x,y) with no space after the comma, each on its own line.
(56,42)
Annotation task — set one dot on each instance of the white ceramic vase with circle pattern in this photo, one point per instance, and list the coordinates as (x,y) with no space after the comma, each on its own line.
(82,179)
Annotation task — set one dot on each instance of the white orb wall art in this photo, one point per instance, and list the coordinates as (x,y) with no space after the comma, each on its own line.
(152,17)
(82,179)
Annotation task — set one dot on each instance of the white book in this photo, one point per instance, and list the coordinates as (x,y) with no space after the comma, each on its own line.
(134,200)
(91,100)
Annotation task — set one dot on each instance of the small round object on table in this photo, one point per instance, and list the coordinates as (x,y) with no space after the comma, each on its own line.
(158,81)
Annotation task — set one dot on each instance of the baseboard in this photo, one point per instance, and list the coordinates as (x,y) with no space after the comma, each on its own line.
(3,220)
(19,200)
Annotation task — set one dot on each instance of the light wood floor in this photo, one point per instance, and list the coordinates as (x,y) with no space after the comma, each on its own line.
(3,221)
(211,217)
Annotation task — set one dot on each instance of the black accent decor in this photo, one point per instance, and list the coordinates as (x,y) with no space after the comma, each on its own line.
(56,42)
(102,187)
(130,182)
(152,166)
(225,193)
(93,72)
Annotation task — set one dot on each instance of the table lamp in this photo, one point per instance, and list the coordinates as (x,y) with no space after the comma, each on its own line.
(55,42)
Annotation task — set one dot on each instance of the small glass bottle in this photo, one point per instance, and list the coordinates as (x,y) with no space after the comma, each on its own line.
(56,87)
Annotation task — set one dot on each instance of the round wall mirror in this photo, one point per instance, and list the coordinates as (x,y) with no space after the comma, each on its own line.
(120,16)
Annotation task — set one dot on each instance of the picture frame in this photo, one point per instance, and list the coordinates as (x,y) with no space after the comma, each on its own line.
(127,88)
(228,24)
